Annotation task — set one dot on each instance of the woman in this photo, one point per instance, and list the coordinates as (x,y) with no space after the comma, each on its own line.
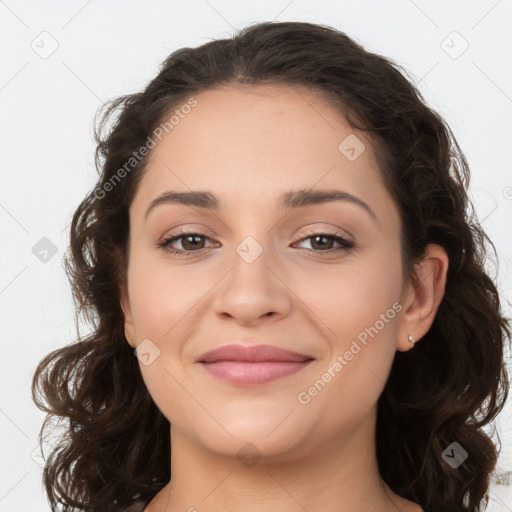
(279,220)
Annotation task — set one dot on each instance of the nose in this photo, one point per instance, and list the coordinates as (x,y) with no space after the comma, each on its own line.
(255,287)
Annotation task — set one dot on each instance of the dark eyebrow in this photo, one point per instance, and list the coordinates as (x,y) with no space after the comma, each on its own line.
(201,199)
(288,200)
(306,197)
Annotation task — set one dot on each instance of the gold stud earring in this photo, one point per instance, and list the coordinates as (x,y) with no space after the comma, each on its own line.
(413,341)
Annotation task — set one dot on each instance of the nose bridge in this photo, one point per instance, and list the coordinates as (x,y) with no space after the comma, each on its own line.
(251,290)
(252,239)
(250,249)
(253,256)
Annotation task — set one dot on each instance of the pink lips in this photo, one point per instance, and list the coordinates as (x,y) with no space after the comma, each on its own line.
(257,364)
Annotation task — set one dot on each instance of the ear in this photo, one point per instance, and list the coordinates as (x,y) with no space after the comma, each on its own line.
(421,298)
(129,330)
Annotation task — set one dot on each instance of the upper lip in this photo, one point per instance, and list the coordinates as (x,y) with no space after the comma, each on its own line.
(254,353)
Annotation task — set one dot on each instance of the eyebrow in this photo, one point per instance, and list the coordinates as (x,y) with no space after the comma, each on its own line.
(288,200)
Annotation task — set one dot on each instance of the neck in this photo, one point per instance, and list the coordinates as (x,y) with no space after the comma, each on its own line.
(341,471)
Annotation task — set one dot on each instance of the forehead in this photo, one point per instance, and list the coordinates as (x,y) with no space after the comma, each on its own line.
(245,143)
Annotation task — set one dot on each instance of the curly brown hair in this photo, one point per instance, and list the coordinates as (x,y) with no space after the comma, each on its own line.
(117,445)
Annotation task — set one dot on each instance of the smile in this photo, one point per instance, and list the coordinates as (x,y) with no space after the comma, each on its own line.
(251,373)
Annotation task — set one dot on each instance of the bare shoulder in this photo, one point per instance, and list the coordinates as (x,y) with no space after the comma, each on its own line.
(405,505)
(411,507)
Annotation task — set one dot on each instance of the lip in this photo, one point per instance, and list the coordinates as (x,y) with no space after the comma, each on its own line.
(237,364)
(254,353)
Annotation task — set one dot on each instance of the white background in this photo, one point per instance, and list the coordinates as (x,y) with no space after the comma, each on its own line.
(108,49)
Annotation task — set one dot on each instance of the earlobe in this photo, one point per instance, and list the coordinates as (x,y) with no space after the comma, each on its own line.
(122,282)
(129,330)
(422,298)
(128,322)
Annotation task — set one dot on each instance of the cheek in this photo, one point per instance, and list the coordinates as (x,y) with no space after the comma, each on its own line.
(163,302)
(358,310)
(348,299)
(363,345)
(159,313)
(161,297)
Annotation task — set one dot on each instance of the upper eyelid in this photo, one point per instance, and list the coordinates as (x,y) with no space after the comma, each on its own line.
(333,230)
(309,233)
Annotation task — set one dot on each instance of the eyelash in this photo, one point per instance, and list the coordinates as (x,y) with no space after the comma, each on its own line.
(346,245)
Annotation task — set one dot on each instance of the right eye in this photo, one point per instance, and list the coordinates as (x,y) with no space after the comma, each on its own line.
(190,239)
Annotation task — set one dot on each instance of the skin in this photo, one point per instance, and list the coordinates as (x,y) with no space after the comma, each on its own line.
(247,145)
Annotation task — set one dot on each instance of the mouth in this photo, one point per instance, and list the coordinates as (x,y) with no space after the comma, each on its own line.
(249,373)
(236,364)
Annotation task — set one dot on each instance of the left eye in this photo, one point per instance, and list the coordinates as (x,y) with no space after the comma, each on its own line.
(319,239)
(191,243)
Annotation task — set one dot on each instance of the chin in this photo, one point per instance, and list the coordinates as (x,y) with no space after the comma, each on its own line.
(256,436)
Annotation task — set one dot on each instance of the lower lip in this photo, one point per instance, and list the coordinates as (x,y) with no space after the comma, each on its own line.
(237,372)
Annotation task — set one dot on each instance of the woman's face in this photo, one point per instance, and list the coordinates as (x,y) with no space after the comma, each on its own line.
(257,274)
